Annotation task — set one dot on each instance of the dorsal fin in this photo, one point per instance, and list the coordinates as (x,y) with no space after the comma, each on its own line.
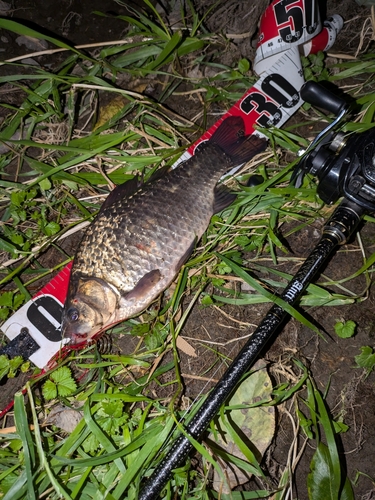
(128,188)
(124,190)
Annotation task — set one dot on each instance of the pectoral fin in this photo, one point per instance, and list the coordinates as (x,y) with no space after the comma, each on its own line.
(144,285)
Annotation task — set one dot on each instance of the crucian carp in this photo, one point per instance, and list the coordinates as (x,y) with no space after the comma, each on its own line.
(143,234)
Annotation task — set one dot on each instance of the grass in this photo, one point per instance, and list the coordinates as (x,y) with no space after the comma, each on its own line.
(75,134)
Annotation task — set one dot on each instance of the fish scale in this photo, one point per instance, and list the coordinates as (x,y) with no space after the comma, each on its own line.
(164,224)
(137,243)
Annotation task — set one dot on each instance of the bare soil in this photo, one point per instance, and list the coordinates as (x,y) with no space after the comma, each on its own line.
(331,361)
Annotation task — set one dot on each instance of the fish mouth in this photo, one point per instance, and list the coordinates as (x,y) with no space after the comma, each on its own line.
(73,336)
(74,340)
(77,340)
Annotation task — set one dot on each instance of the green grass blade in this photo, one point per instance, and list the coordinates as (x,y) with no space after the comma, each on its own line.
(252,463)
(334,458)
(42,456)
(270,296)
(101,436)
(242,495)
(137,443)
(145,456)
(23,430)
(81,482)
(139,56)
(19,488)
(321,483)
(166,53)
(21,29)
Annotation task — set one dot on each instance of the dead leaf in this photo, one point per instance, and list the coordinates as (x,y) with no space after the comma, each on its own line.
(185,347)
(108,111)
(256,426)
(64,417)
(31,43)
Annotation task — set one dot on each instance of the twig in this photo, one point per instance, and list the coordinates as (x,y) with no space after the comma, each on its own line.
(55,51)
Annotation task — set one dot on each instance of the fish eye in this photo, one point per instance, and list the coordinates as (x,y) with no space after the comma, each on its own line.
(73,314)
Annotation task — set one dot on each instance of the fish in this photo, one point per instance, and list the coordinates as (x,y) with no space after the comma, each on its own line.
(145,232)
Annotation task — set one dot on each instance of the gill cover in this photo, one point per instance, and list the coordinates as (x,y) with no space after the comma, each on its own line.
(89,307)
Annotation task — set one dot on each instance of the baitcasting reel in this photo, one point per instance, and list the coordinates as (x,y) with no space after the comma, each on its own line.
(344,163)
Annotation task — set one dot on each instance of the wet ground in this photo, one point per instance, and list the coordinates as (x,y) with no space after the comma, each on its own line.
(331,361)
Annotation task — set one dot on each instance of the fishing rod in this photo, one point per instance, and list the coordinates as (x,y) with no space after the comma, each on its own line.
(345,167)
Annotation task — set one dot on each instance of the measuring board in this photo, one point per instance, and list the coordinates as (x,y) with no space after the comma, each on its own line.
(287,29)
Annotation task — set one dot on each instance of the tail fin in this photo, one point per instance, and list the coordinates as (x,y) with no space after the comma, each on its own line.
(230,136)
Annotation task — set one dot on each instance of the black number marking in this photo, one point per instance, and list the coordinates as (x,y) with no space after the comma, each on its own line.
(267,111)
(282,93)
(280,90)
(293,16)
(35,315)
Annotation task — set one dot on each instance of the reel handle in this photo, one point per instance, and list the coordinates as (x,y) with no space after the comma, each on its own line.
(321,97)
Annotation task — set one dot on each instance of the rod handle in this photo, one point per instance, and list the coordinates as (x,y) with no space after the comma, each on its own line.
(319,96)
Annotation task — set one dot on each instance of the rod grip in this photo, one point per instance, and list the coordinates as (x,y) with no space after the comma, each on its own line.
(319,96)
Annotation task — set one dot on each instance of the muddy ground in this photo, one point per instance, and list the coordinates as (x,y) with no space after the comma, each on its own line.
(330,361)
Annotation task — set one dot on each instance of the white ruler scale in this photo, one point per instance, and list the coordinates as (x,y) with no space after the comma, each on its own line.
(287,29)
